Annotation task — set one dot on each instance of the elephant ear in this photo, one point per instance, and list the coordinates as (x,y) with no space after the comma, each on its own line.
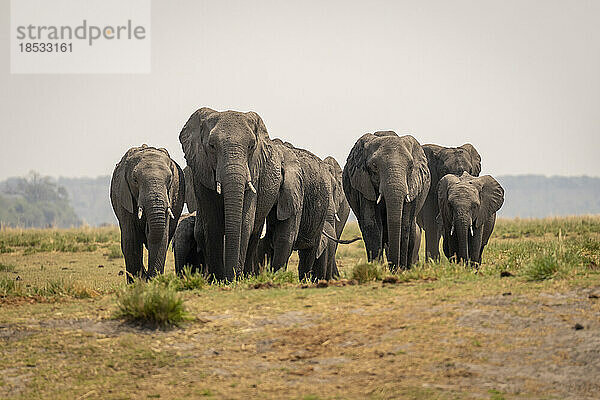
(432,152)
(442,194)
(192,136)
(177,190)
(357,168)
(120,186)
(259,126)
(190,195)
(491,197)
(291,191)
(475,158)
(420,178)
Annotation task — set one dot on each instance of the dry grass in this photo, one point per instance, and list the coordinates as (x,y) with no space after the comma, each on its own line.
(435,331)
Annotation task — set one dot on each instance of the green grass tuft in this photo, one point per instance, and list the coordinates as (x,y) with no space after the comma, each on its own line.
(366,272)
(50,289)
(151,303)
(114,252)
(7,267)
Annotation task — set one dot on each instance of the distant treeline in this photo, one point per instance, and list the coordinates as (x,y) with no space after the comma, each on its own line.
(37,201)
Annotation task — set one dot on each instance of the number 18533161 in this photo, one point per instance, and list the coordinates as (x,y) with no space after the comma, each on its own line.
(45,47)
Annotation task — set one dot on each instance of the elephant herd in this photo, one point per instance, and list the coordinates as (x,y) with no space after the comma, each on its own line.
(253,200)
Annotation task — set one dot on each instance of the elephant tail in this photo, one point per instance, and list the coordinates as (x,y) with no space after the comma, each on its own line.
(340,241)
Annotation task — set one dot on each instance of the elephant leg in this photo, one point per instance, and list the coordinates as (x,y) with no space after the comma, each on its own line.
(284,236)
(320,265)
(213,237)
(371,227)
(432,237)
(131,246)
(417,244)
(306,259)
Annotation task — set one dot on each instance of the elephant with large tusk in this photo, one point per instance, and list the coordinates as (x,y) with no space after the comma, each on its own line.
(147,193)
(386,180)
(468,207)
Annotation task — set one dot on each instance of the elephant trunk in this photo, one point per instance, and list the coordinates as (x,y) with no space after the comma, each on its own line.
(234,184)
(394,201)
(475,245)
(462,231)
(157,239)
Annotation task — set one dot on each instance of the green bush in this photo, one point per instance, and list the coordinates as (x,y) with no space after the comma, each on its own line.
(542,267)
(192,281)
(366,272)
(154,303)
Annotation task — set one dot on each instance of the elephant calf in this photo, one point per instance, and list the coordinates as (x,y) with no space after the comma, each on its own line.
(147,193)
(185,247)
(468,207)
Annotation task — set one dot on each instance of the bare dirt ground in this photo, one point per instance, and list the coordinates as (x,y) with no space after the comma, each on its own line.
(419,340)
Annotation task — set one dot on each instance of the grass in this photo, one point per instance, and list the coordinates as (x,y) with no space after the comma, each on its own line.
(155,303)
(366,272)
(411,334)
(51,289)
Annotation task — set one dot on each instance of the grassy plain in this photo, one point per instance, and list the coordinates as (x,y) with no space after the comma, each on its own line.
(527,325)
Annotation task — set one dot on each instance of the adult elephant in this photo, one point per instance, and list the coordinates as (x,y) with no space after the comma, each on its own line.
(237,179)
(147,194)
(468,207)
(441,161)
(307,180)
(386,180)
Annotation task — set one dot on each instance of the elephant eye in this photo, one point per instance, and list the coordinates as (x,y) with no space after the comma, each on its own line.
(374,167)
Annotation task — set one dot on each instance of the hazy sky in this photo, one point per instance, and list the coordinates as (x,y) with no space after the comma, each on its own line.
(518,79)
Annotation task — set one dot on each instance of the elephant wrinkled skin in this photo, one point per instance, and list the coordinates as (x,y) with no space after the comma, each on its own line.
(442,161)
(186,251)
(237,177)
(386,180)
(468,207)
(147,195)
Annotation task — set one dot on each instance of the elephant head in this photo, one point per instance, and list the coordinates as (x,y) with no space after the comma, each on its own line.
(225,151)
(386,177)
(149,187)
(468,207)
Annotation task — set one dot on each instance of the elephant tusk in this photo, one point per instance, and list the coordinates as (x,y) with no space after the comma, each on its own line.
(218,187)
(337,218)
(407,198)
(452,231)
(140,212)
(170,213)
(471,229)
(264,231)
(251,186)
(379,198)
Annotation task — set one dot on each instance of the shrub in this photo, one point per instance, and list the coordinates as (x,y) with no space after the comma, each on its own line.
(191,281)
(152,303)
(366,272)
(542,267)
